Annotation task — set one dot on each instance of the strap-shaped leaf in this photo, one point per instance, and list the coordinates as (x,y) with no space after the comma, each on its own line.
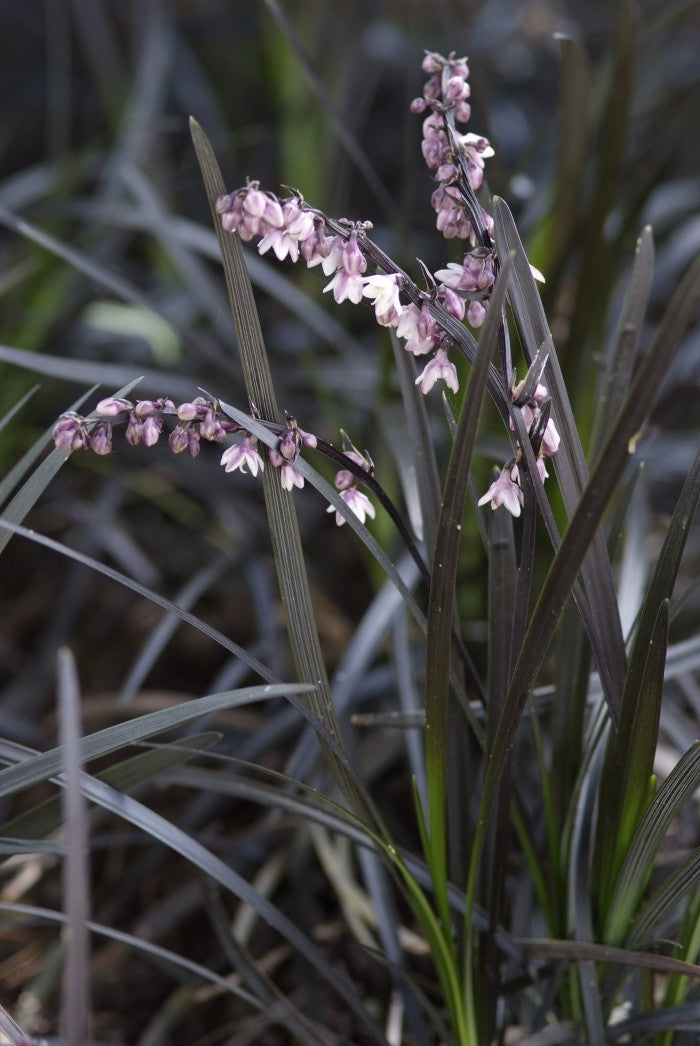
(567,562)
(630,756)
(638,864)
(619,370)
(600,616)
(281,515)
(442,592)
(43,765)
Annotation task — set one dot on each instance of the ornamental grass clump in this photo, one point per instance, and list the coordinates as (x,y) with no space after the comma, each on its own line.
(531,905)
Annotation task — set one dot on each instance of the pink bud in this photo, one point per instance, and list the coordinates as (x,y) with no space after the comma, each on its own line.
(187,411)
(101,439)
(151,430)
(110,407)
(354,260)
(177,440)
(134,431)
(432,63)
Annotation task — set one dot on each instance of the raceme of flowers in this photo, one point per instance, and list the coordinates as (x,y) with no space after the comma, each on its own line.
(203,418)
(290,228)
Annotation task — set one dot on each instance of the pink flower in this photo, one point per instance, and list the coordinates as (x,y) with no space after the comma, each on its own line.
(298,227)
(290,477)
(357,502)
(550,440)
(474,274)
(69,432)
(476,313)
(419,329)
(345,285)
(439,367)
(505,491)
(475,149)
(238,455)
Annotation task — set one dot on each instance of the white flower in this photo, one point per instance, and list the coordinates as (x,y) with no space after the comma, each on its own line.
(384,292)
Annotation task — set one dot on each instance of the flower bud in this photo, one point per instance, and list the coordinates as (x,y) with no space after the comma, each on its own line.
(177,440)
(151,430)
(101,439)
(134,430)
(110,407)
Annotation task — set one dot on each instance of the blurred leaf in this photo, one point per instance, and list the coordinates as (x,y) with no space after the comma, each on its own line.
(44,765)
(553,236)
(630,756)
(135,321)
(620,368)
(140,945)
(639,860)
(594,283)
(182,844)
(148,593)
(44,818)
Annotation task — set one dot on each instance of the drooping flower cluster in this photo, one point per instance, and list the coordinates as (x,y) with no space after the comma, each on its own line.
(342,249)
(446,151)
(290,228)
(203,418)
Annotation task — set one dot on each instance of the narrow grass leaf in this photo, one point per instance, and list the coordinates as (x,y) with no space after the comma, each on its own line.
(654,913)
(600,617)
(670,1018)
(148,593)
(284,529)
(421,444)
(630,757)
(664,900)
(16,408)
(336,118)
(44,818)
(442,592)
(578,950)
(594,282)
(574,80)
(94,372)
(75,1001)
(277,1005)
(140,946)
(41,766)
(182,844)
(604,478)
(631,773)
(188,848)
(620,367)
(639,860)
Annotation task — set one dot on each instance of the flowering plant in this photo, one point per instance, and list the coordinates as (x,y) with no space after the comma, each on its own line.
(497,730)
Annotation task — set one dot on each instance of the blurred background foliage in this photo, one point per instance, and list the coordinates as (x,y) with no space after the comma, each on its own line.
(108,270)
